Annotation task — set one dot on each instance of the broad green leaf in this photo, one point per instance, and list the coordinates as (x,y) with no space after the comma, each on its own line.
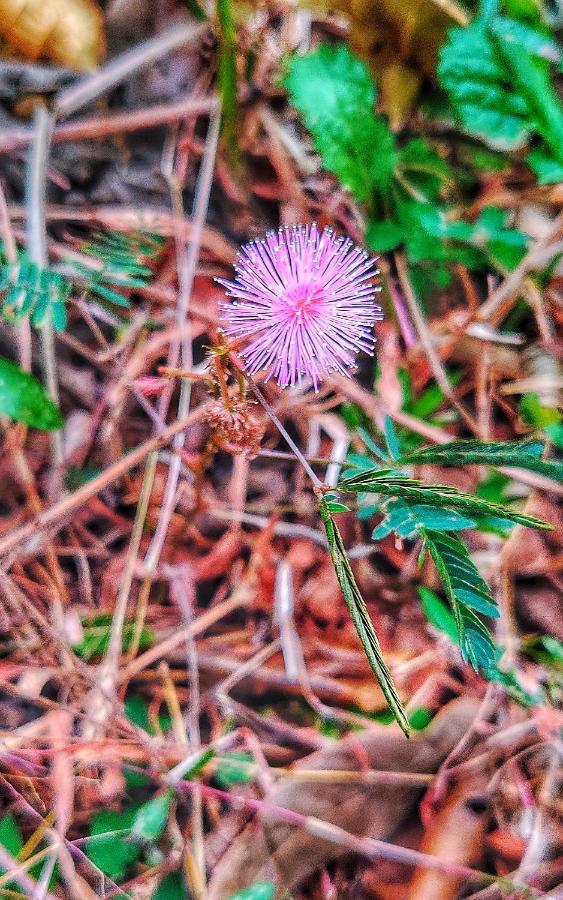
(260,890)
(112,852)
(172,887)
(150,819)
(23,398)
(417,492)
(478,84)
(10,835)
(546,169)
(360,616)
(233,768)
(517,454)
(334,93)
(496,74)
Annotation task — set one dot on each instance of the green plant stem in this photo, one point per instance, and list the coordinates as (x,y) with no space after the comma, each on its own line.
(228,77)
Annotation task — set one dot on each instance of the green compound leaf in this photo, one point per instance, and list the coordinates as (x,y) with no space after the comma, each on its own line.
(441,618)
(413,491)
(31,292)
(519,454)
(496,74)
(360,617)
(23,399)
(334,93)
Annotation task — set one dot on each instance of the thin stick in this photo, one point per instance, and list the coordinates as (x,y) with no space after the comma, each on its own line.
(111,663)
(493,309)
(99,127)
(37,250)
(287,437)
(426,340)
(186,275)
(370,847)
(92,86)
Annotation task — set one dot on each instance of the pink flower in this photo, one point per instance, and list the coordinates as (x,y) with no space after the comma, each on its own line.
(305,302)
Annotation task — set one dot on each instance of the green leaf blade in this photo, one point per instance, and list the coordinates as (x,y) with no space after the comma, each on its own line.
(23,399)
(360,617)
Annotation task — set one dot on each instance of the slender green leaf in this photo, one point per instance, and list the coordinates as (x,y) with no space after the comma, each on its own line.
(416,492)
(518,454)
(260,890)
(360,616)
(234,768)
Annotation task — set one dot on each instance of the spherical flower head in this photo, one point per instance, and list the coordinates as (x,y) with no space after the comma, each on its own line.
(303,303)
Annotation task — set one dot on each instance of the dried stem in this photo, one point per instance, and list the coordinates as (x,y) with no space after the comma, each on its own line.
(140,57)
(426,340)
(37,250)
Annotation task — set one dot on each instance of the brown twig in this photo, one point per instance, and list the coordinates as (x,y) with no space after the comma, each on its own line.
(98,127)
(70,99)
(496,306)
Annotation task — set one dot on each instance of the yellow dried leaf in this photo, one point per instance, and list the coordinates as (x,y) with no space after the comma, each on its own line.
(67,32)
(385,29)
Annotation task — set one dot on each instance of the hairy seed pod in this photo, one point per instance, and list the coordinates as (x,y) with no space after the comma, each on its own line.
(67,32)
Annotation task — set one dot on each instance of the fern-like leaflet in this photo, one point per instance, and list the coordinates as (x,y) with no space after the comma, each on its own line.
(432,513)
(118,261)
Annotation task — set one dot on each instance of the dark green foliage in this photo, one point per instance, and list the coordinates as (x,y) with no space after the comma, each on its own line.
(497,75)
(407,189)
(335,94)
(23,399)
(434,514)
(360,616)
(518,454)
